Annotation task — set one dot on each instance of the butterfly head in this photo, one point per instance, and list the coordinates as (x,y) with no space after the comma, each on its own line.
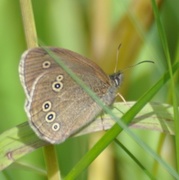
(116,78)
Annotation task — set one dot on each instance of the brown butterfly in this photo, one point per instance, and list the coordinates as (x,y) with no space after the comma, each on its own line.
(57,107)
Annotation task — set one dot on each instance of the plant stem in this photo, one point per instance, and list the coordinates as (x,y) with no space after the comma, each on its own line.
(31,40)
(28,23)
(51,162)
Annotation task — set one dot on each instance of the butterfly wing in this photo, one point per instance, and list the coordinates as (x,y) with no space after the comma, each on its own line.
(57,106)
(56,114)
(36,61)
(33,63)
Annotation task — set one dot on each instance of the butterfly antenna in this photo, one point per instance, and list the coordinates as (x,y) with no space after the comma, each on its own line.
(145,61)
(117,58)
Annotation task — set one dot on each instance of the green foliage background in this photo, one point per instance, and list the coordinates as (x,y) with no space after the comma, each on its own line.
(69,24)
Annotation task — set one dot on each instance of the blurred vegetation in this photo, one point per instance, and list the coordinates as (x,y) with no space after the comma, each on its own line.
(94,29)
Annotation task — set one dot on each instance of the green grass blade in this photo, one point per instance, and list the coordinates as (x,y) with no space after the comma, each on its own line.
(17,142)
(126,118)
(135,160)
(173,89)
(116,129)
(21,140)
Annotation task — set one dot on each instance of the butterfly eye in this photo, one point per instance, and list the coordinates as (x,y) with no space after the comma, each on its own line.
(59,77)
(50,116)
(46,106)
(55,126)
(46,64)
(57,86)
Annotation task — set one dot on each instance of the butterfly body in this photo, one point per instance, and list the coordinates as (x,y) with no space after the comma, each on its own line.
(57,107)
